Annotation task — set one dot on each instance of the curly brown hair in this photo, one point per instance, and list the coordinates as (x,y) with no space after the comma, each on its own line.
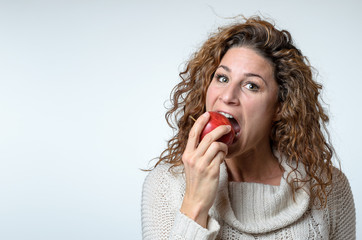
(300,133)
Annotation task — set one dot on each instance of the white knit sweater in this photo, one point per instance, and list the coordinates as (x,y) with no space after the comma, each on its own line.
(246,210)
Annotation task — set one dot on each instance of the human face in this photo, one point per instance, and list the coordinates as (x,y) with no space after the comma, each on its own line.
(244,87)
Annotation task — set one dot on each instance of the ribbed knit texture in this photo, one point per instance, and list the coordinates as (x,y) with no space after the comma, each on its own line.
(246,210)
(253,203)
(262,208)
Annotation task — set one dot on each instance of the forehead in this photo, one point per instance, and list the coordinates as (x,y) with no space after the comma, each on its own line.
(242,59)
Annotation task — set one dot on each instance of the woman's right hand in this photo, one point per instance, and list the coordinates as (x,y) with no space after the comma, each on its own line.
(202,167)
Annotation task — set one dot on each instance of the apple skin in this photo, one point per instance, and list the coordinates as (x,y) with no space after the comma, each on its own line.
(216,119)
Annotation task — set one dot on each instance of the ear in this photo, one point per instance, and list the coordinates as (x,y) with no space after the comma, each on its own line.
(277,114)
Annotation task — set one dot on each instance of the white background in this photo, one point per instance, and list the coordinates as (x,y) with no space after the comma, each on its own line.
(82,91)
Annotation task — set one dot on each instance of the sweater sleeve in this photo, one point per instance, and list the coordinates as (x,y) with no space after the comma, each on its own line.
(161,218)
(343,210)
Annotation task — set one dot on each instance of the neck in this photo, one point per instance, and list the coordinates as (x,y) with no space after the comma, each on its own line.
(256,165)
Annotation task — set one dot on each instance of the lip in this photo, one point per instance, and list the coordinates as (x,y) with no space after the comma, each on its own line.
(237,133)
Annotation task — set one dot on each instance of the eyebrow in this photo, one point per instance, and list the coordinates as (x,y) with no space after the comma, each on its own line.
(255,75)
(246,74)
(225,67)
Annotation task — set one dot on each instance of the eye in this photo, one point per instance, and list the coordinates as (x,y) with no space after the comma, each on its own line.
(252,86)
(221,78)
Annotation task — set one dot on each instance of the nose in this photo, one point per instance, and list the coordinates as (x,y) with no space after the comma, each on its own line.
(230,95)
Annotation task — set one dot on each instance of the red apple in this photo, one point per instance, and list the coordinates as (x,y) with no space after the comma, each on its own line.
(216,119)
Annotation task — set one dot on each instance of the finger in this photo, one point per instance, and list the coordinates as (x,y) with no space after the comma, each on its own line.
(214,167)
(211,137)
(195,132)
(218,159)
(214,149)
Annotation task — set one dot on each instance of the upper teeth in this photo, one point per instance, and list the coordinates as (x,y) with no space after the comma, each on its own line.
(226,115)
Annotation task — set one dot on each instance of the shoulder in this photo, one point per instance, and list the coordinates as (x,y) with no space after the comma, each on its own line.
(341,207)
(340,188)
(164,172)
(163,187)
(165,179)
(340,182)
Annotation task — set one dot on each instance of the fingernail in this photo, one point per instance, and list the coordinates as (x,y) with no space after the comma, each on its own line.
(228,127)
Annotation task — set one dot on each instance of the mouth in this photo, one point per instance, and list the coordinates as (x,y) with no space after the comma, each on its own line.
(233,122)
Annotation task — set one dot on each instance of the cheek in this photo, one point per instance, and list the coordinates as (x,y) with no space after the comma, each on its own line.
(262,110)
(210,97)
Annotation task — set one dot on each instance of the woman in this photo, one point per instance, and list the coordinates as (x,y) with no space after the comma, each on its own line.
(276,180)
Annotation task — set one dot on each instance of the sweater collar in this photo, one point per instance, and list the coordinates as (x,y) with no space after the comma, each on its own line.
(276,209)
